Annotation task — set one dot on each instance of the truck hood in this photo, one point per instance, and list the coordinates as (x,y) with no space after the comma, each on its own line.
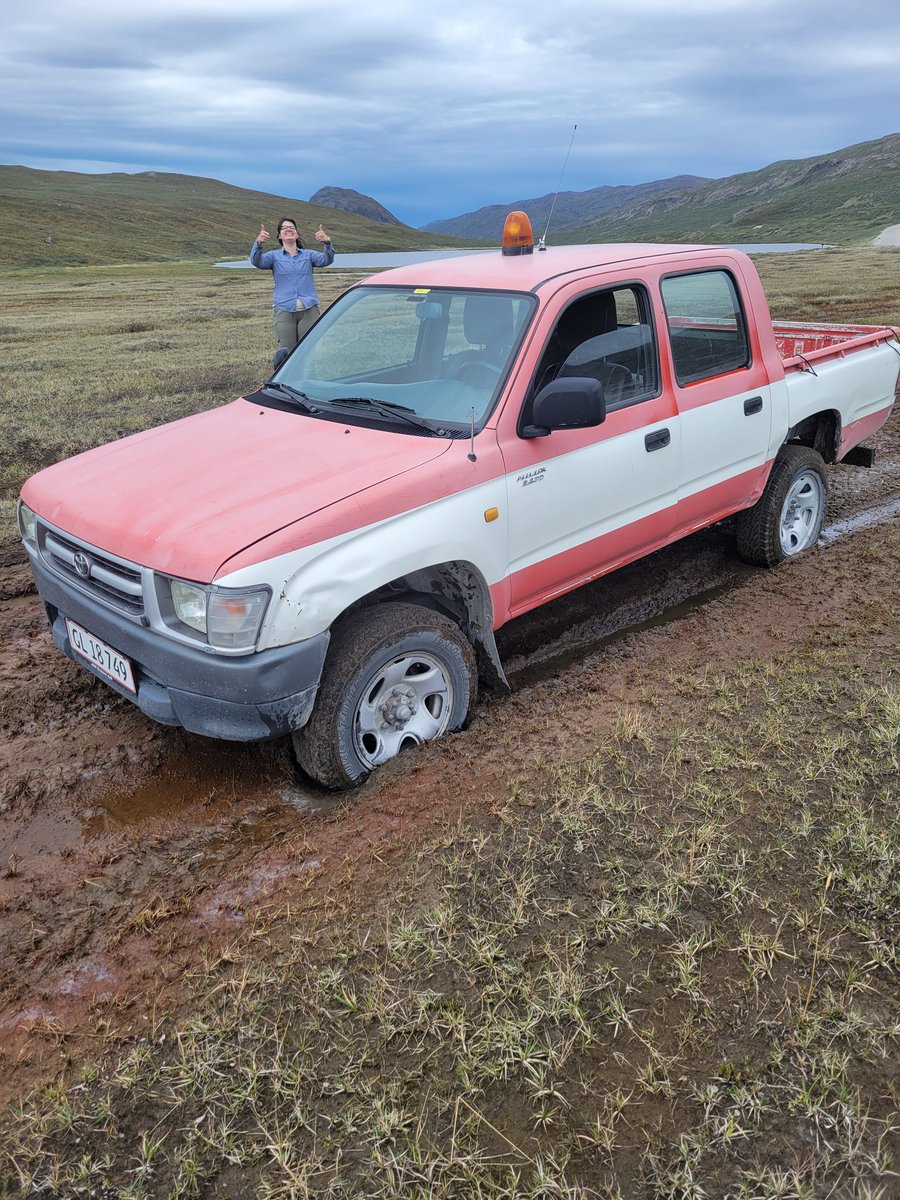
(185,497)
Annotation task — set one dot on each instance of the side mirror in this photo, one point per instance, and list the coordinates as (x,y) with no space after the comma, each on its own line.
(573,403)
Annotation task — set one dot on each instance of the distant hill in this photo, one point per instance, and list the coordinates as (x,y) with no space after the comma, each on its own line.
(571,208)
(64,218)
(347,200)
(845,197)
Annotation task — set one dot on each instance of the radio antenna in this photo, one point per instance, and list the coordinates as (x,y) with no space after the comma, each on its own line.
(542,244)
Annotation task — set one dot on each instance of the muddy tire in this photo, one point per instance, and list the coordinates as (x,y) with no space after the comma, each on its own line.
(787,518)
(395,676)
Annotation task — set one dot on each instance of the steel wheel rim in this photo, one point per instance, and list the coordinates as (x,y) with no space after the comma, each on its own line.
(801,513)
(404,703)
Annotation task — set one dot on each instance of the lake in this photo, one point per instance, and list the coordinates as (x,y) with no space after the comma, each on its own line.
(402,258)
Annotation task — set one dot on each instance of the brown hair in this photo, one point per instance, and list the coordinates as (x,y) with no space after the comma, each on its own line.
(294,223)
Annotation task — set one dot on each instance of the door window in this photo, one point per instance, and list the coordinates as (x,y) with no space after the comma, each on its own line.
(606,336)
(707,329)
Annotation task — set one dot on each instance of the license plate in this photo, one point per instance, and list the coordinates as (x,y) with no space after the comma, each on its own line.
(103,657)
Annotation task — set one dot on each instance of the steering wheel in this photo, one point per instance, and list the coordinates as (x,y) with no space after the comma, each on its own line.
(477,374)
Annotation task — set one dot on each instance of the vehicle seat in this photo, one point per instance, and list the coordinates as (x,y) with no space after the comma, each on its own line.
(584,320)
(489,328)
(615,378)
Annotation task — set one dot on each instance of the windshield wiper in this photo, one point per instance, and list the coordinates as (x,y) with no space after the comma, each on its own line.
(387,408)
(294,394)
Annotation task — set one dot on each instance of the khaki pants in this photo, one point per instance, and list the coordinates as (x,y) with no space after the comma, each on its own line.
(291,326)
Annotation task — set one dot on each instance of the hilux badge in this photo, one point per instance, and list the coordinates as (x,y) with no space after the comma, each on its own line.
(536,475)
(82,565)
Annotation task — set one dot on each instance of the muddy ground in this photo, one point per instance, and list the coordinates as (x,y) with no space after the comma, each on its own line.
(128,849)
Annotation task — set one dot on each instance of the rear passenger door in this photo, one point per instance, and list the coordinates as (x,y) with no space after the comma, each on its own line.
(724,398)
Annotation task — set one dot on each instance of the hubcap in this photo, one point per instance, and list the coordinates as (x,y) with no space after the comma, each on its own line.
(406,702)
(801,513)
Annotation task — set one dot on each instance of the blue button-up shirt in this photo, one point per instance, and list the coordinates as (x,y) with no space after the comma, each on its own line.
(293,273)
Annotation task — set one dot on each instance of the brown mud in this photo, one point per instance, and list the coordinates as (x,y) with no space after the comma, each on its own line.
(131,853)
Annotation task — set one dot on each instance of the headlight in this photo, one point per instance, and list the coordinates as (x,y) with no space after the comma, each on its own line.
(227,618)
(189,603)
(27,523)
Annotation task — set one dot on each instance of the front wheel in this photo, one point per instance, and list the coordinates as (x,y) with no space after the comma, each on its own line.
(787,518)
(396,675)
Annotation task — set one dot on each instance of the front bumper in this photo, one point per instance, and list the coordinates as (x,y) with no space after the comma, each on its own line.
(246,698)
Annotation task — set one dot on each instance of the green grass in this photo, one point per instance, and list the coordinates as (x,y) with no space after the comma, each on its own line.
(63,218)
(668,971)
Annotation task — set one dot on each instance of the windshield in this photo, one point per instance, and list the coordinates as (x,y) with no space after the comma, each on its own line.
(441,354)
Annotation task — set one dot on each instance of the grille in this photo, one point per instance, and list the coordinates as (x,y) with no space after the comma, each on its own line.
(115,582)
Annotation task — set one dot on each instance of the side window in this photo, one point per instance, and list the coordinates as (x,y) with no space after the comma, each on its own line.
(606,336)
(707,329)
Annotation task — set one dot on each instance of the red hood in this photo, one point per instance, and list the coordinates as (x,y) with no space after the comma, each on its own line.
(185,497)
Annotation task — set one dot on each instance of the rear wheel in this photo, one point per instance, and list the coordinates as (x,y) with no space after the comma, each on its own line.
(787,518)
(396,675)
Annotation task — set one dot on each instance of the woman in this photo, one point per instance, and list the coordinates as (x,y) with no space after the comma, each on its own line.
(295,303)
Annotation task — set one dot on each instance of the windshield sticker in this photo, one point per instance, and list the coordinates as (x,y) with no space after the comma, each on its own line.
(421,291)
(534,476)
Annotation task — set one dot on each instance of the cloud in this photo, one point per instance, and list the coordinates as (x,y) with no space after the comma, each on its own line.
(436,110)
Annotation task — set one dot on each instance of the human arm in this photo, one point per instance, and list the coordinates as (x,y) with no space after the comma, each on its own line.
(256,253)
(325,256)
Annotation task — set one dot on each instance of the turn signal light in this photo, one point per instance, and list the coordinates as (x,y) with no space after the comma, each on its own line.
(518,237)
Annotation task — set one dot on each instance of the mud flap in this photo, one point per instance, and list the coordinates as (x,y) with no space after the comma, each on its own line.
(860,456)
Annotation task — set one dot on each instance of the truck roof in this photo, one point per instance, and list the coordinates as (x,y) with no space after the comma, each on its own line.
(527,272)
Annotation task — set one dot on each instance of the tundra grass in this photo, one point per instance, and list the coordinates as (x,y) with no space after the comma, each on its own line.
(95,353)
(669,970)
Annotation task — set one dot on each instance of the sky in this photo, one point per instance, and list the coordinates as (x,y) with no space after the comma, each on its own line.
(438,109)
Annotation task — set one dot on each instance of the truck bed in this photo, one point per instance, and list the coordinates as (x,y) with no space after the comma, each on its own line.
(803,343)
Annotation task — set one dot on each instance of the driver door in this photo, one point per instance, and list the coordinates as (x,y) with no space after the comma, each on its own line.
(582,502)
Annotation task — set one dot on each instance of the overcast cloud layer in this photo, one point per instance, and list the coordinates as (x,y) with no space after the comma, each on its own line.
(439,109)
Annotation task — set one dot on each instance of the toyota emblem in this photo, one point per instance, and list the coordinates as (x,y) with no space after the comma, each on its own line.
(82,565)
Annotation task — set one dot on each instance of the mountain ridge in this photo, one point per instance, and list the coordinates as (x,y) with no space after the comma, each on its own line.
(570,208)
(64,218)
(348,200)
(845,196)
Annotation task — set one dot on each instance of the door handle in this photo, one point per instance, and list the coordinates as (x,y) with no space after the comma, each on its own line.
(656,440)
(753,405)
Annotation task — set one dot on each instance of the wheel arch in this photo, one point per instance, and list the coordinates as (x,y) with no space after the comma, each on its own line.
(457,589)
(820,431)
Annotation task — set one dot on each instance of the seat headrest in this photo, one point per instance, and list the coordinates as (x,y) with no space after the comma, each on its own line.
(488,320)
(587,318)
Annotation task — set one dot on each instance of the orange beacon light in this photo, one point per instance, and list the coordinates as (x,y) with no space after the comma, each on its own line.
(518,237)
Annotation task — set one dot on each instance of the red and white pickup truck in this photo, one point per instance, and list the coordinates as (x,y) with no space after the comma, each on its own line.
(452,444)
